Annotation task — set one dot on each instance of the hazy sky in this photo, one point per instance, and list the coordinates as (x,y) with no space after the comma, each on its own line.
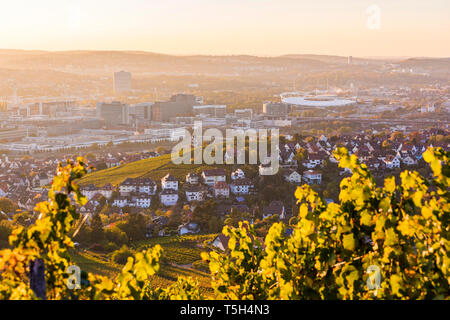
(262,27)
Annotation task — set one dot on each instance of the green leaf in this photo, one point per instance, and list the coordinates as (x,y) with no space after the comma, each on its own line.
(349,242)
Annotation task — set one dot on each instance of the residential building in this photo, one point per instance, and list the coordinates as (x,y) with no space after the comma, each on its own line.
(195,192)
(210,177)
(238,174)
(138,185)
(40,180)
(292,176)
(142,201)
(313,161)
(106,190)
(169,182)
(3,189)
(241,186)
(188,228)
(89,191)
(312,177)
(192,178)
(168,197)
(221,190)
(392,161)
(120,202)
(274,208)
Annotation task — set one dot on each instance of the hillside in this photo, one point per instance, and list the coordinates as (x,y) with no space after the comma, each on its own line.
(168,274)
(154,168)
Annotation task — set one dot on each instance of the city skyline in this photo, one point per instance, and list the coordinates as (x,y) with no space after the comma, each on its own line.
(263,28)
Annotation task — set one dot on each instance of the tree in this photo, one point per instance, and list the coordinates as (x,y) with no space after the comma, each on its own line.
(397,135)
(388,242)
(203,212)
(235,217)
(386,145)
(7,205)
(98,234)
(115,235)
(160,150)
(381,236)
(121,256)
(135,226)
(301,155)
(175,217)
(6,227)
(22,218)
(91,156)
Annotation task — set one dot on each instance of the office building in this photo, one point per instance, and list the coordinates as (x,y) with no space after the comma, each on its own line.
(243,113)
(113,113)
(211,110)
(141,111)
(178,105)
(275,109)
(122,82)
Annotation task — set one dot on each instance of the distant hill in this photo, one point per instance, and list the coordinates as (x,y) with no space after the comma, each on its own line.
(139,62)
(333,59)
(441,65)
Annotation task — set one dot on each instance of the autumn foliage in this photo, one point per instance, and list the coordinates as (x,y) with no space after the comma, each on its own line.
(388,242)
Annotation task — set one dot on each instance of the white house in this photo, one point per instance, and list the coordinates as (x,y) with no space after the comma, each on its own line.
(409,160)
(221,242)
(313,161)
(241,186)
(274,208)
(128,186)
(392,162)
(106,190)
(120,202)
(195,192)
(40,180)
(221,190)
(312,177)
(3,189)
(111,163)
(188,228)
(89,191)
(169,182)
(292,176)
(146,186)
(140,185)
(192,178)
(238,174)
(210,177)
(142,201)
(169,197)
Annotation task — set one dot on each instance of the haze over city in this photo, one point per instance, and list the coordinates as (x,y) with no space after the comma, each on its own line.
(257,27)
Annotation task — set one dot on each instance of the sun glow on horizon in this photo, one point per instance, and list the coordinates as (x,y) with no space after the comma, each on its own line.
(259,27)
